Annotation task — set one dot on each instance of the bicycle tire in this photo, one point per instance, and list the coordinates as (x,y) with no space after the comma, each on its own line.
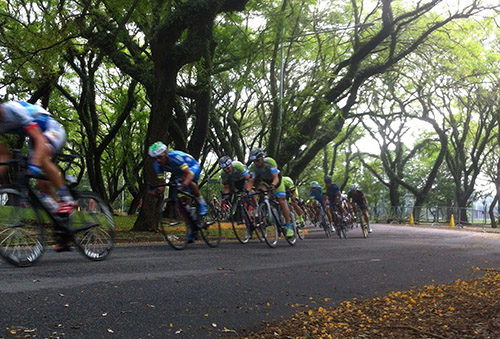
(268,227)
(301,232)
(211,231)
(22,236)
(343,230)
(239,224)
(325,225)
(92,226)
(364,228)
(175,231)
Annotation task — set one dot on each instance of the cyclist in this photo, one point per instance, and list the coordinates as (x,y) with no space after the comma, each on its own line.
(234,174)
(332,197)
(46,138)
(293,197)
(355,195)
(312,209)
(264,173)
(182,166)
(316,193)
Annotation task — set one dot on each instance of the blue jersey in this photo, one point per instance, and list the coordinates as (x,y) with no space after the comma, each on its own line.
(332,191)
(179,161)
(20,116)
(317,194)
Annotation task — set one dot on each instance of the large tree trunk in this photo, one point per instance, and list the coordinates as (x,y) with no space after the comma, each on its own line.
(163,102)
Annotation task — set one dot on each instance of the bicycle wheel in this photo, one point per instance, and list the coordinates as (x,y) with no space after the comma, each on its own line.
(22,234)
(301,232)
(173,226)
(268,227)
(364,228)
(92,226)
(343,230)
(325,225)
(211,231)
(239,223)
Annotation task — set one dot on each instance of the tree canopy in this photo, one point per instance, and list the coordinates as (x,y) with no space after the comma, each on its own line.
(306,80)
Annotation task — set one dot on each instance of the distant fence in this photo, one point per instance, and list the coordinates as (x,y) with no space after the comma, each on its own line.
(401,214)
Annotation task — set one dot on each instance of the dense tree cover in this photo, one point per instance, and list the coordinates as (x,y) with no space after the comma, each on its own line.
(303,79)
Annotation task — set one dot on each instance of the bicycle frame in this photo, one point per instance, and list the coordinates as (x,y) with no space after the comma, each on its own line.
(21,183)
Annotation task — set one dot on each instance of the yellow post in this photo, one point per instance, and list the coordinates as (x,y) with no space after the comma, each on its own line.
(411,219)
(452,221)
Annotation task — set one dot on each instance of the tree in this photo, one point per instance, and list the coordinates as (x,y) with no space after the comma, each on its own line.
(379,41)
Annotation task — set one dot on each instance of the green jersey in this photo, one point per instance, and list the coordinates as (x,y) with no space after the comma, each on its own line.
(289,185)
(238,174)
(264,173)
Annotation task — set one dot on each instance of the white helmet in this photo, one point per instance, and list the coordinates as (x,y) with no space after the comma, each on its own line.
(157,149)
(353,187)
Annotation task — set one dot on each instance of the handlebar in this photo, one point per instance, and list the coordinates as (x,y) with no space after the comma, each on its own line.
(21,159)
(172,184)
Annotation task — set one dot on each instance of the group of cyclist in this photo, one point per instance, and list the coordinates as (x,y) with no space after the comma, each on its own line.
(331,200)
(47,137)
(262,174)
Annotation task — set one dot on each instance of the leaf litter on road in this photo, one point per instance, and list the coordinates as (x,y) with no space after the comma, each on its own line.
(463,309)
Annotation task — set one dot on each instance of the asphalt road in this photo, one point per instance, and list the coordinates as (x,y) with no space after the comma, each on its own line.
(153,291)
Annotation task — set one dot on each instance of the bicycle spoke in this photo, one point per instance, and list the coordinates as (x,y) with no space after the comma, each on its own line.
(92,225)
(211,230)
(21,232)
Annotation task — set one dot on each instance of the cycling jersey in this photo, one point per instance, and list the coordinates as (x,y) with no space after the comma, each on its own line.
(238,174)
(20,117)
(357,196)
(333,193)
(290,187)
(317,194)
(265,174)
(179,161)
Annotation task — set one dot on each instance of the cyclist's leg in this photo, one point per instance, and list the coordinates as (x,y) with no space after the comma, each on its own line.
(281,196)
(364,210)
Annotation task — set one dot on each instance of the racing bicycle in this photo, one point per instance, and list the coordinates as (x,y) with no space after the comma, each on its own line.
(270,219)
(180,222)
(243,218)
(23,225)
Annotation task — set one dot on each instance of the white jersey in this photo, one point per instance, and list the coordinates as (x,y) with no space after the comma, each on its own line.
(19,117)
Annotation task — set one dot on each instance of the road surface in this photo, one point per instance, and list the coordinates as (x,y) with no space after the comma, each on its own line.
(144,291)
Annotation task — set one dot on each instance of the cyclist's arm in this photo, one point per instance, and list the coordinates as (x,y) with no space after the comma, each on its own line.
(365,201)
(276,180)
(187,175)
(249,183)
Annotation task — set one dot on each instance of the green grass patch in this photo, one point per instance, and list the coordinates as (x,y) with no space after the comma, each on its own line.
(124,222)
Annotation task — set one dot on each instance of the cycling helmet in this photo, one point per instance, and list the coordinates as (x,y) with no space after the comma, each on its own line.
(225,161)
(328,179)
(353,187)
(255,153)
(314,184)
(157,149)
